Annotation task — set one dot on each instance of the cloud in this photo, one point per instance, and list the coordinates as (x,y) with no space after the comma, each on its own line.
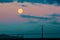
(33,1)
(24,5)
(55,14)
(34,17)
(5,1)
(41,1)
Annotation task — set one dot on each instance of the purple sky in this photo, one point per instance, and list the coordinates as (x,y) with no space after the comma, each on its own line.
(8,11)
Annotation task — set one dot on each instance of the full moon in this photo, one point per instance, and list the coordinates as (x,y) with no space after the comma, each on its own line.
(20,11)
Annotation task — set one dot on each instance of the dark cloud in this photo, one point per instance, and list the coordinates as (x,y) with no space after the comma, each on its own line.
(55,14)
(24,5)
(34,1)
(41,1)
(5,1)
(34,17)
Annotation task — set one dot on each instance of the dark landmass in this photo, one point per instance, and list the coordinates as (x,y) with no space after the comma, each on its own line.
(9,37)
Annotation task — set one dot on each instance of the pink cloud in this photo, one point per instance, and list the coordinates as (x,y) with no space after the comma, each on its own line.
(8,11)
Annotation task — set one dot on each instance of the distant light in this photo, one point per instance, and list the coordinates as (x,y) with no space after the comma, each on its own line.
(20,11)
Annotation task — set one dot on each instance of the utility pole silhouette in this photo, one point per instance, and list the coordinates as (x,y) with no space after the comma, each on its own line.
(42,31)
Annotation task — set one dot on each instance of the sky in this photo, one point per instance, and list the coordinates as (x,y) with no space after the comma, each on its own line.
(11,22)
(8,11)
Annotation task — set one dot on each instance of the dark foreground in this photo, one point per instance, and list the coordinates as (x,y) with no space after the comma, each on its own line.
(29,38)
(17,37)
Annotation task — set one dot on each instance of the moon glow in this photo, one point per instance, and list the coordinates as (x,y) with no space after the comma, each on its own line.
(20,11)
